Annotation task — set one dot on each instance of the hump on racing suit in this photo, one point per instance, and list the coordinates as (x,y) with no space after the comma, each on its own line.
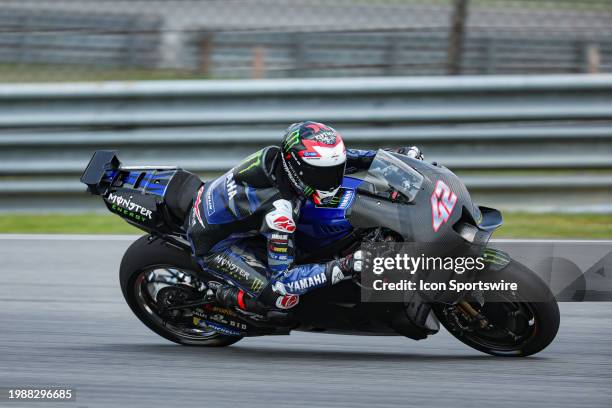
(238,201)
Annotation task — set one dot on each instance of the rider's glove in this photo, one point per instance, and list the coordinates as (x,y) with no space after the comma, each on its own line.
(412,151)
(348,266)
(352,263)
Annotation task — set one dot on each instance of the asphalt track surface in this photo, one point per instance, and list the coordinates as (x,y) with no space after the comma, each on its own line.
(63,321)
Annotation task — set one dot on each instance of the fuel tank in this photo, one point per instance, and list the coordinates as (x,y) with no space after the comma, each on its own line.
(322,225)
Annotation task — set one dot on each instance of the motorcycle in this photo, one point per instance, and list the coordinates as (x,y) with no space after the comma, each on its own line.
(399,199)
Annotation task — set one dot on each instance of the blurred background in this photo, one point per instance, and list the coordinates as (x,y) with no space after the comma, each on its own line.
(515,96)
(70,40)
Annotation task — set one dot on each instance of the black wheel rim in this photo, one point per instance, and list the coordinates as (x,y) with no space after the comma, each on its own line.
(511,325)
(150,282)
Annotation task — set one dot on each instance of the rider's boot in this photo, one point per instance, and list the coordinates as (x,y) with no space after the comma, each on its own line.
(233,297)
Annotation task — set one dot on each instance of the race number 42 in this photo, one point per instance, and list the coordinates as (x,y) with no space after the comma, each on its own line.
(443,202)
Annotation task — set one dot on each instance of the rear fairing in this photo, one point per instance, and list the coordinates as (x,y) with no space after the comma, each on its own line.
(137,195)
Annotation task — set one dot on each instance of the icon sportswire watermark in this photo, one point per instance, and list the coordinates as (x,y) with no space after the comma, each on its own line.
(574,271)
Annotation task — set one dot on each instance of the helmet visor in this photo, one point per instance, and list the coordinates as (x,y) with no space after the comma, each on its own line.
(322,178)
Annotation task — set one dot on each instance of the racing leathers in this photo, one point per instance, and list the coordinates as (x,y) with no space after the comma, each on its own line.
(241,228)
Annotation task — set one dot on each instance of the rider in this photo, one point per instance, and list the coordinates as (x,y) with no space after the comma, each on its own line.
(241,225)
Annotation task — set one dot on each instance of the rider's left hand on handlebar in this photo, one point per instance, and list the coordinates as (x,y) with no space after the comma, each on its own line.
(411,151)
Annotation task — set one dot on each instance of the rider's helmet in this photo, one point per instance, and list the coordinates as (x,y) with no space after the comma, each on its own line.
(313,158)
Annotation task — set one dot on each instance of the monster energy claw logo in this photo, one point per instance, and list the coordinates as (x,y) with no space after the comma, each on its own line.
(293,139)
(256,284)
(495,257)
(255,160)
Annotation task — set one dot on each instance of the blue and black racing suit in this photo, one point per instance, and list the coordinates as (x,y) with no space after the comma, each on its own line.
(242,225)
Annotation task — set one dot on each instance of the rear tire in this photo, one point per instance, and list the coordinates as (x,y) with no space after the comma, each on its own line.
(544,322)
(146,254)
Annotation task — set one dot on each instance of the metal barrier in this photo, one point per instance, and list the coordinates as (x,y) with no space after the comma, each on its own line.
(533,143)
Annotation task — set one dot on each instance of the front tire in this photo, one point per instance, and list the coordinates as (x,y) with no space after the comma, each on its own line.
(535,325)
(146,255)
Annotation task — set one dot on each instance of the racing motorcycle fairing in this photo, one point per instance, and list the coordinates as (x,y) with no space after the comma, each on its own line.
(420,201)
(152,198)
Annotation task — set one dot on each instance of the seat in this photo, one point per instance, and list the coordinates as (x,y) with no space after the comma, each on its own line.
(180,194)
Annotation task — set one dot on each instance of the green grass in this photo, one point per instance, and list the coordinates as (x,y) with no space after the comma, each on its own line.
(517,225)
(581,226)
(65,224)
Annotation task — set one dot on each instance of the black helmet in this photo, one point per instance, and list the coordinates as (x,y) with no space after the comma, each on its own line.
(313,157)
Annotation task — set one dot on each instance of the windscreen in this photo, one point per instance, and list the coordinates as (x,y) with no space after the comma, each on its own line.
(387,173)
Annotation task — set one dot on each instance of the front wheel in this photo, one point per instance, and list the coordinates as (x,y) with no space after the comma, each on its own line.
(508,326)
(154,274)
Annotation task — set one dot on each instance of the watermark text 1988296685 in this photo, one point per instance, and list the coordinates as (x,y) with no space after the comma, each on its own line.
(31,394)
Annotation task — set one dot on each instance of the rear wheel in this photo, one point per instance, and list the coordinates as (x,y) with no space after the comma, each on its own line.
(508,325)
(155,275)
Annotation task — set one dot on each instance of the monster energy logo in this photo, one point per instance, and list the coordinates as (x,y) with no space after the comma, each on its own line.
(256,284)
(495,257)
(292,140)
(308,191)
(256,161)
(129,208)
